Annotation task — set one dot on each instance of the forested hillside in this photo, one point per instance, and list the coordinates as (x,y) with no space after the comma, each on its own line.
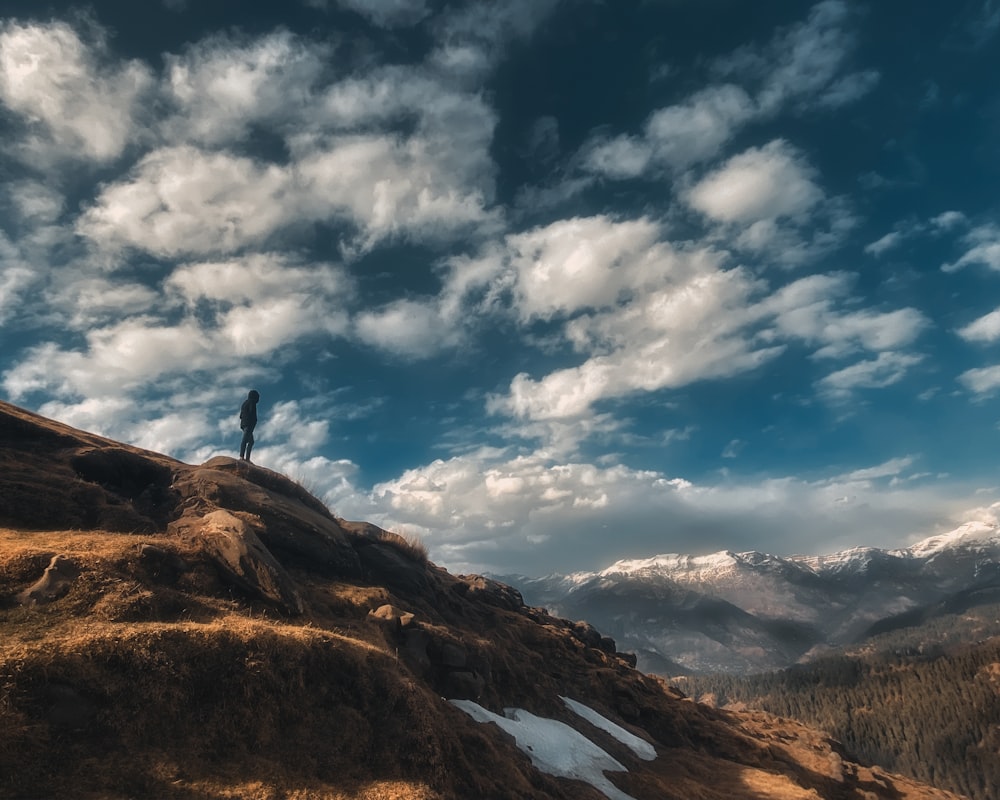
(931,712)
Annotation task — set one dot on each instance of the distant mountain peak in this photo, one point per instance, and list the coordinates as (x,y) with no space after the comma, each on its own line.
(969,535)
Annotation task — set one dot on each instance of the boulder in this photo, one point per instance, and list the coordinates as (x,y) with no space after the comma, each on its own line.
(489,591)
(54,583)
(246,563)
(587,633)
(393,616)
(294,531)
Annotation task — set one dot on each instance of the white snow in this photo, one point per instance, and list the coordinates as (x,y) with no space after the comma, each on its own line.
(970,534)
(640,747)
(554,747)
(672,562)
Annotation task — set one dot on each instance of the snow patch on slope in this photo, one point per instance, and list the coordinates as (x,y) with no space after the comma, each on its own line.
(640,747)
(554,747)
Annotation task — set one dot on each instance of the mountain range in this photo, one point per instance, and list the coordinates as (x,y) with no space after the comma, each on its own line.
(751,612)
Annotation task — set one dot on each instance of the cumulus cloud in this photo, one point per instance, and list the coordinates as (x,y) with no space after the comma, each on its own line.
(407,328)
(507,512)
(74,102)
(184,201)
(257,306)
(221,87)
(647,315)
(767,183)
(674,137)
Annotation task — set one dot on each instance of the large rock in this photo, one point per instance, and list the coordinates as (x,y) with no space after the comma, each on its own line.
(487,590)
(294,530)
(54,583)
(246,562)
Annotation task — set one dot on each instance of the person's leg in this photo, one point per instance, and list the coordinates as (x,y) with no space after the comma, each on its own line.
(247,440)
(249,437)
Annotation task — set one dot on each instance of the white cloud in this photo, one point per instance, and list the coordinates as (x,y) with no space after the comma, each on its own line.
(221,87)
(884,370)
(983,248)
(984,329)
(36,202)
(805,310)
(803,64)
(255,277)
(86,301)
(181,200)
(75,105)
(534,514)
(586,263)
(675,137)
(347,164)
(259,305)
(888,469)
(16,277)
(407,328)
(472,39)
(733,449)
(688,331)
(887,242)
(981,381)
(767,183)
(949,220)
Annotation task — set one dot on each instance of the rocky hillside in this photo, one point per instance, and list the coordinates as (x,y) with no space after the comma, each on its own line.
(213,631)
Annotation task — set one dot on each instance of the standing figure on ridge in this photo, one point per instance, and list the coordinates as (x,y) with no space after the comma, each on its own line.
(248,421)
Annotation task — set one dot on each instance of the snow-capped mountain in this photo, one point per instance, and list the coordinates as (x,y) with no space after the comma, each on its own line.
(751,611)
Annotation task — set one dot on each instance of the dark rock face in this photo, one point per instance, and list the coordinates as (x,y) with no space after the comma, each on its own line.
(385,563)
(141,481)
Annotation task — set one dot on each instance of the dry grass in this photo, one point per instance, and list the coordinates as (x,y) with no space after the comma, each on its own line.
(409,544)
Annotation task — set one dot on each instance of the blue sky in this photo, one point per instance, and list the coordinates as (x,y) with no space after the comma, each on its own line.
(547,283)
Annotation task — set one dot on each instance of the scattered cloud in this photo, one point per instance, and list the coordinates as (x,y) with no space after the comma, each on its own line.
(73,101)
(983,243)
(803,64)
(884,370)
(982,381)
(984,329)
(760,184)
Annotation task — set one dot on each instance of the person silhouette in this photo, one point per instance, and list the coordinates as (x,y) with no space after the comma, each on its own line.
(248,421)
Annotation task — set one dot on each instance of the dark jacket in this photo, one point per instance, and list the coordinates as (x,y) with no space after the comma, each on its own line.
(248,411)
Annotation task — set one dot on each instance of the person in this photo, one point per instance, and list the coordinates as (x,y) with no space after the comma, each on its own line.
(248,421)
